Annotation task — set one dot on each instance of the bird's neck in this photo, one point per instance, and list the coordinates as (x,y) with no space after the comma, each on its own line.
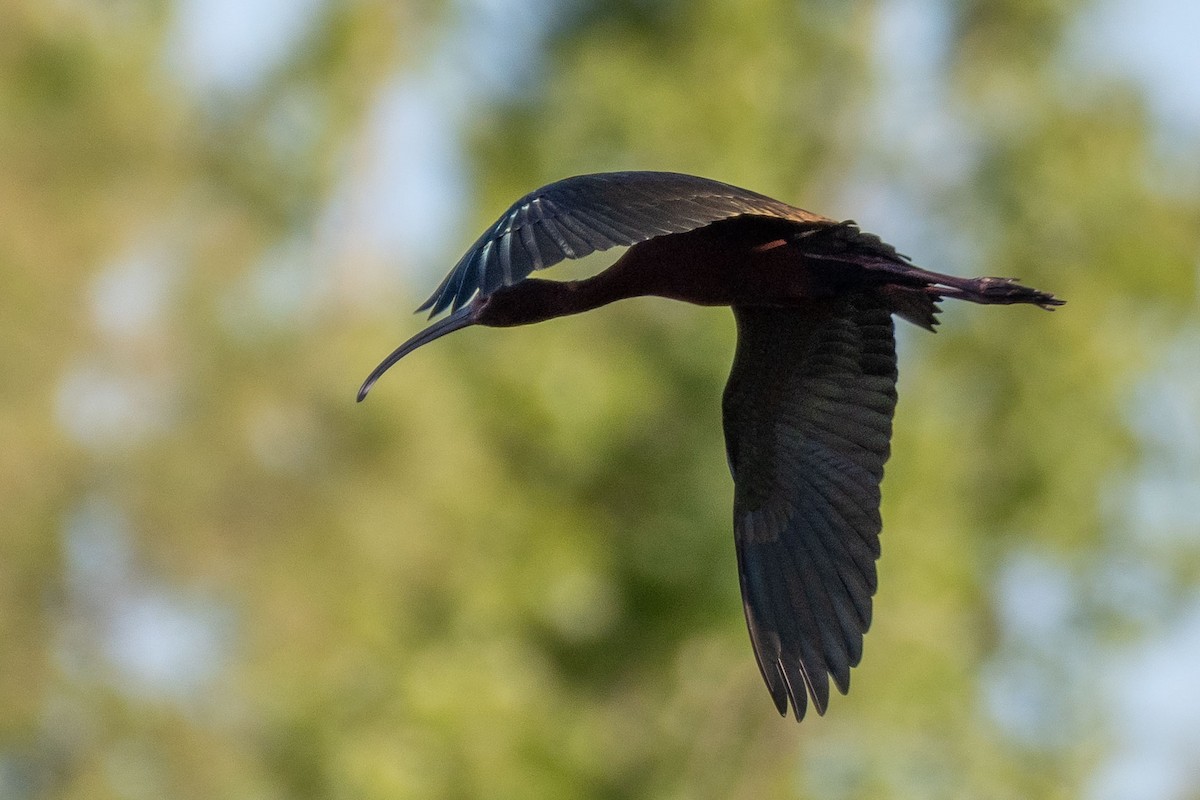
(599,290)
(535,300)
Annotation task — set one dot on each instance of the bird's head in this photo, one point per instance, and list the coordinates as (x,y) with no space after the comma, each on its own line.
(532,300)
(529,301)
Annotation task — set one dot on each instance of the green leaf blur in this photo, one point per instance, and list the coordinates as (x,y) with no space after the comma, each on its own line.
(510,572)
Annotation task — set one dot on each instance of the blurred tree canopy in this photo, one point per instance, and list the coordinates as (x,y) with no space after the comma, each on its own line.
(510,573)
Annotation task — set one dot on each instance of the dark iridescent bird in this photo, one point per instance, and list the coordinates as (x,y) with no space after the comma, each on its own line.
(808,406)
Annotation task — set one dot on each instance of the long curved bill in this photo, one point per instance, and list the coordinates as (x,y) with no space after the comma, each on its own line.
(457,321)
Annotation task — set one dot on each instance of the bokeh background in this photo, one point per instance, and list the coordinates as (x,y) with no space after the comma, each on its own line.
(510,573)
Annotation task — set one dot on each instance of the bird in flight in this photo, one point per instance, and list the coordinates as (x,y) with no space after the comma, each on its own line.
(809,403)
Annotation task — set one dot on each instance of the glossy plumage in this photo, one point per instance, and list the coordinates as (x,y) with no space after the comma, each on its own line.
(578,216)
(809,403)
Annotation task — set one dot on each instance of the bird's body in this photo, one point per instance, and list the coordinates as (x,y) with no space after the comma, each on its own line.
(809,403)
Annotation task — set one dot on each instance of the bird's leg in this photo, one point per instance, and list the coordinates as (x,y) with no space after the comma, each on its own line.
(849,245)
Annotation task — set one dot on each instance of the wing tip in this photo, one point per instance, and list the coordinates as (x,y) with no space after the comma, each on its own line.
(798,691)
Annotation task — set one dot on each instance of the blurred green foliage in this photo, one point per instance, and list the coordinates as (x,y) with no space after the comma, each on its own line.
(510,573)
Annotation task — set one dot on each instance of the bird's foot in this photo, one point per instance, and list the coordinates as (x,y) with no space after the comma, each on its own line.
(1003,291)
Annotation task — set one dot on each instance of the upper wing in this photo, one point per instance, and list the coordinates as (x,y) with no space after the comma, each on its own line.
(808,421)
(578,216)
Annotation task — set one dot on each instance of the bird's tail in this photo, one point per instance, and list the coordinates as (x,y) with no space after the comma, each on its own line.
(916,305)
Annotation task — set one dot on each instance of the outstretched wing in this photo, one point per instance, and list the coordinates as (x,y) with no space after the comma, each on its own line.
(577,216)
(808,420)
